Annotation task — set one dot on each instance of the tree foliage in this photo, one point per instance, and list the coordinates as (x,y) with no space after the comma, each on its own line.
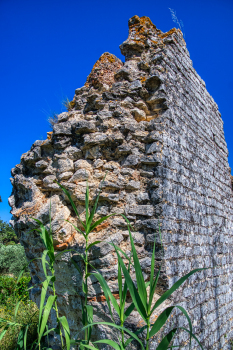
(7,234)
(12,259)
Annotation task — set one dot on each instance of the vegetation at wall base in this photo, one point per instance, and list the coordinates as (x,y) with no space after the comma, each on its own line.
(33,328)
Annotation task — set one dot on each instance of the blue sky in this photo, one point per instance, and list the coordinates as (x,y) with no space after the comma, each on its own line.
(48,48)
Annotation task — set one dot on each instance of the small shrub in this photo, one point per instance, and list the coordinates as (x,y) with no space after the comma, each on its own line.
(11,292)
(27,314)
(12,259)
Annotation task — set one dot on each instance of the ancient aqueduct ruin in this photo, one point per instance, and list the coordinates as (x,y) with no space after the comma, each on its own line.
(150,123)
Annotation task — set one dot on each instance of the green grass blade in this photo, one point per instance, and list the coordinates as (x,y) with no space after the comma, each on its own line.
(129,310)
(120,250)
(151,277)
(84,346)
(94,208)
(107,293)
(91,245)
(174,288)
(152,289)
(191,334)
(133,291)
(139,276)
(98,222)
(16,310)
(45,285)
(46,313)
(128,341)
(76,228)
(4,331)
(76,266)
(117,327)
(44,262)
(112,343)
(119,277)
(89,309)
(66,329)
(189,321)
(64,251)
(25,337)
(161,320)
(71,202)
(87,202)
(164,344)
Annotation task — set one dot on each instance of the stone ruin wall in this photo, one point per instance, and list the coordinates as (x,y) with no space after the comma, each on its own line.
(150,123)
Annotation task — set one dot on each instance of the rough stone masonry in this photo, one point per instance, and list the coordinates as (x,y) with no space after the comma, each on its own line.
(150,123)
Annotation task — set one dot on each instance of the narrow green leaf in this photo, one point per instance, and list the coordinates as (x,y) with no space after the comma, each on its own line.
(107,293)
(76,266)
(128,341)
(64,251)
(119,277)
(98,222)
(89,309)
(191,334)
(152,290)
(91,245)
(76,228)
(133,291)
(71,202)
(49,330)
(44,288)
(44,262)
(16,310)
(117,327)
(4,331)
(87,202)
(139,276)
(164,344)
(174,287)
(189,321)
(129,310)
(94,209)
(25,337)
(112,343)
(120,250)
(83,346)
(66,329)
(161,320)
(46,313)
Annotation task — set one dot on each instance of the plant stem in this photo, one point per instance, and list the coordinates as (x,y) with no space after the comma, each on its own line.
(86,289)
(122,335)
(148,334)
(56,308)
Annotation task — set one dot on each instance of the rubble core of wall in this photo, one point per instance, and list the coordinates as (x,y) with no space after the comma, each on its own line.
(153,127)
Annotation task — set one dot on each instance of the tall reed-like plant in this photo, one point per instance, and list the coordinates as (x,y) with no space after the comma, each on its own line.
(143,302)
(88,226)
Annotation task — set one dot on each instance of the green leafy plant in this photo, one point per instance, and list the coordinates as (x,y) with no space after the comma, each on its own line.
(88,226)
(46,306)
(11,291)
(17,321)
(143,303)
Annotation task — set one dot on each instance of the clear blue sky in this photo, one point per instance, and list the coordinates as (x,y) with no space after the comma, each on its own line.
(48,47)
